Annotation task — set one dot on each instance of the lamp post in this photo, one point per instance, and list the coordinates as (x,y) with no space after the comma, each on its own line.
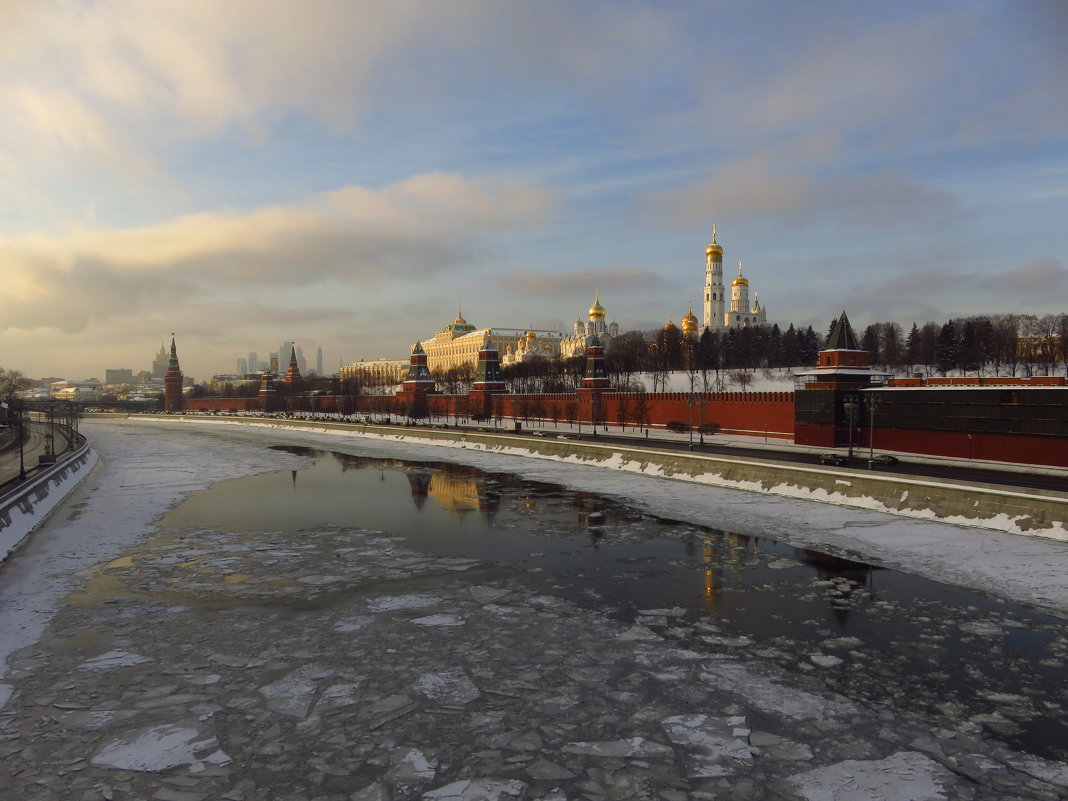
(22,457)
(694,399)
(851,401)
(872,402)
(689,405)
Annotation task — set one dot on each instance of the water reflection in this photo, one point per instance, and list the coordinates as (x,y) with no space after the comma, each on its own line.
(930,646)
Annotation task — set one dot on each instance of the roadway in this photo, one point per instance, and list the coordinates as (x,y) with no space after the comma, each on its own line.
(36,443)
(917,466)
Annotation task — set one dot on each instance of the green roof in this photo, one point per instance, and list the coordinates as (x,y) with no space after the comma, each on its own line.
(842,337)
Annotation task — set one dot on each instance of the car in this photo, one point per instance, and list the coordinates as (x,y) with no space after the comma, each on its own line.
(564,436)
(883,458)
(537,434)
(833,458)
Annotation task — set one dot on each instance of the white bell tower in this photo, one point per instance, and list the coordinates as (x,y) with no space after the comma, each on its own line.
(713,298)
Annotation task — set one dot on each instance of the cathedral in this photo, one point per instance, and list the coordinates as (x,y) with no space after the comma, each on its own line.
(576,344)
(740,313)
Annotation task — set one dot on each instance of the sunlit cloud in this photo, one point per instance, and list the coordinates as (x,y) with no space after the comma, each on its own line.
(404,232)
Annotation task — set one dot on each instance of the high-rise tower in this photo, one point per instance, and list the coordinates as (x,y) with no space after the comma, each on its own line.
(714,300)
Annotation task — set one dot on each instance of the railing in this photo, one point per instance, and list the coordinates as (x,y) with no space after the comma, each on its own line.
(77,444)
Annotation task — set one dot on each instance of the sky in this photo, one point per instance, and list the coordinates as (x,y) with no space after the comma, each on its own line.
(348,175)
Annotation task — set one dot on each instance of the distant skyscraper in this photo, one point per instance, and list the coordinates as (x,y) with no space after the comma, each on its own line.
(253,361)
(319,361)
(274,363)
(161,362)
(242,366)
(301,363)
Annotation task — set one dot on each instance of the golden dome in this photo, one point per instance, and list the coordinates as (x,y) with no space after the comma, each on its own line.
(531,335)
(670,325)
(597,310)
(740,280)
(714,249)
(459,320)
(689,321)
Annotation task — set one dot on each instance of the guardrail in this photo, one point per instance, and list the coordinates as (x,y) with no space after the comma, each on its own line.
(24,505)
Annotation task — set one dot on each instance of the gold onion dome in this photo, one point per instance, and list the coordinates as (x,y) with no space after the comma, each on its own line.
(459,320)
(597,310)
(689,321)
(741,280)
(670,325)
(531,335)
(714,249)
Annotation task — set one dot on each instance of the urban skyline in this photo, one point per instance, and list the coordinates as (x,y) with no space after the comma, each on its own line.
(347,186)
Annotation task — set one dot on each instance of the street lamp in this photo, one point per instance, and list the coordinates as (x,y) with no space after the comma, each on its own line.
(850,404)
(22,457)
(693,399)
(872,402)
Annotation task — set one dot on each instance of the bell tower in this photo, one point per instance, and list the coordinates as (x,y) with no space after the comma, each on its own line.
(713,299)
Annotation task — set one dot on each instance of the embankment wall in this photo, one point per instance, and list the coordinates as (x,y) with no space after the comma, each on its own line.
(1032,512)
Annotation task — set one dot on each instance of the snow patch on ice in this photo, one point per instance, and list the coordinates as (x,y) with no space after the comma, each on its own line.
(159,748)
(904,776)
(392,603)
(478,790)
(112,660)
(447,686)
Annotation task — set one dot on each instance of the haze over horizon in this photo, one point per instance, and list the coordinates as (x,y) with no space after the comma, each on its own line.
(345,175)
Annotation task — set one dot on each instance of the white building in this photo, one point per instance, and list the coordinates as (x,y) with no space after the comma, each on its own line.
(576,344)
(739,312)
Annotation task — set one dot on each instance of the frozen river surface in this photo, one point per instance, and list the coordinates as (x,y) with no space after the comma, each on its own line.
(342,619)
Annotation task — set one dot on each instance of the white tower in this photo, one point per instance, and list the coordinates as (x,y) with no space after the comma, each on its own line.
(714,300)
(740,293)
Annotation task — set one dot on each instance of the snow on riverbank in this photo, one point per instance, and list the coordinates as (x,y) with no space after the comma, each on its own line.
(140,475)
(1019,568)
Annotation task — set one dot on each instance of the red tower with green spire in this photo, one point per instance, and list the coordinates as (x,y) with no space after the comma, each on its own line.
(293,377)
(488,381)
(172,382)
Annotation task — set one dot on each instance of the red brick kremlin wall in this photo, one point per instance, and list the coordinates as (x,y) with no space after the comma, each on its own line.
(753,413)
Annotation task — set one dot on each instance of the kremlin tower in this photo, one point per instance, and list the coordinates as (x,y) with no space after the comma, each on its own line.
(488,381)
(293,379)
(172,382)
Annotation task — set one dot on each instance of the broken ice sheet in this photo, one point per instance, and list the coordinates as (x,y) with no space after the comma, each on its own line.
(904,776)
(410,767)
(446,621)
(478,790)
(112,660)
(634,747)
(447,687)
(767,694)
(711,746)
(292,694)
(158,748)
(390,603)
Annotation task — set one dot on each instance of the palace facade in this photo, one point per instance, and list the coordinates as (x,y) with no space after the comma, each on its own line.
(458,344)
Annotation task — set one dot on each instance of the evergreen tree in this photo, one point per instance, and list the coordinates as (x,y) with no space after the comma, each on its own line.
(947,348)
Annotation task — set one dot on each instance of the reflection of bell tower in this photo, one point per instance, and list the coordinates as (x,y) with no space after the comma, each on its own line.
(711,592)
(420,481)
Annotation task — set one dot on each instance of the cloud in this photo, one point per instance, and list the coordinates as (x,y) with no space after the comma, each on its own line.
(759,189)
(617,280)
(938,292)
(352,235)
